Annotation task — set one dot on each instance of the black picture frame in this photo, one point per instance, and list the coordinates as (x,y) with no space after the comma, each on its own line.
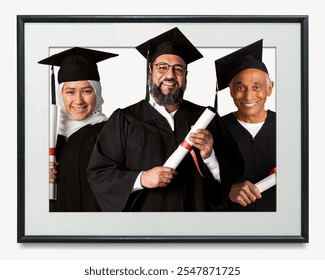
(23,223)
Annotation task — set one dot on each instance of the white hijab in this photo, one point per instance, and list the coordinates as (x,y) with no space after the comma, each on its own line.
(67,124)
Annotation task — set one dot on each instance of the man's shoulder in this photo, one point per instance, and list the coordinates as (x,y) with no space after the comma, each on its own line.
(228,118)
(131,109)
(192,107)
(271,114)
(140,111)
(135,106)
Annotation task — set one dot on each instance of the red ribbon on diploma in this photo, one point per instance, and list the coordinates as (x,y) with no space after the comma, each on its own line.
(188,147)
(273,170)
(52,152)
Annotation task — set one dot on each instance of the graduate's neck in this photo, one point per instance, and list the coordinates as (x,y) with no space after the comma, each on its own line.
(251,118)
(172,108)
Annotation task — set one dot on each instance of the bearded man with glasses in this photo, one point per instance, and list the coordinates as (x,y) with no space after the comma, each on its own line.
(126,170)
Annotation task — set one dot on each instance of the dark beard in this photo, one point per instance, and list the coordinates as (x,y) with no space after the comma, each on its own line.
(166,99)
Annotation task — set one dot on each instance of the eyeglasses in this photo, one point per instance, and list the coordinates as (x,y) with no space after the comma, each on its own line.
(163,68)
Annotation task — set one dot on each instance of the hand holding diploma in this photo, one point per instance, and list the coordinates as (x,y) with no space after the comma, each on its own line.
(175,159)
(159,176)
(246,192)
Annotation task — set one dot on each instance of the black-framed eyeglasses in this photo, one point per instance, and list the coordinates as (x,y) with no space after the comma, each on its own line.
(163,68)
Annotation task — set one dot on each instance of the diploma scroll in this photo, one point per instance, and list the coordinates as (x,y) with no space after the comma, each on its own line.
(266,183)
(53,136)
(175,159)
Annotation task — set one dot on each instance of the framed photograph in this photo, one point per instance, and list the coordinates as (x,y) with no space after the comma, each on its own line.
(285,52)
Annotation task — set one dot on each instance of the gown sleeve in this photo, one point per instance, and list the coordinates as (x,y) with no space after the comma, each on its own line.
(109,179)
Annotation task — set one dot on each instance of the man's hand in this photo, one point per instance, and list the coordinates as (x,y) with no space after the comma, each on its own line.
(159,176)
(244,193)
(203,140)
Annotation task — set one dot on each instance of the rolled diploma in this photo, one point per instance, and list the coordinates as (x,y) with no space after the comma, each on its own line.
(174,160)
(53,136)
(266,183)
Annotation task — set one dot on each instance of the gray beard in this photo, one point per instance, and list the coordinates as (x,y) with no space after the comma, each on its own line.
(166,99)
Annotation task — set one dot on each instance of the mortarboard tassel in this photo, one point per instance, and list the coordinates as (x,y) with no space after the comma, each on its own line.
(216,98)
(53,98)
(147,74)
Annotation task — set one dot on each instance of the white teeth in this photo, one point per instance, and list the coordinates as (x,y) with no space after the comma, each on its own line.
(249,104)
(168,83)
(79,109)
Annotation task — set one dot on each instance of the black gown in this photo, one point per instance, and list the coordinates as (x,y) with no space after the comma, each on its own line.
(138,138)
(72,154)
(259,154)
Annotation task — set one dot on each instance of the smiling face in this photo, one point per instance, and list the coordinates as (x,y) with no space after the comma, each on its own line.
(249,89)
(167,84)
(79,99)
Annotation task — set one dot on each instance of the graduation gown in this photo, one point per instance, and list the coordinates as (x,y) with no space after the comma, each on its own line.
(138,138)
(259,154)
(72,154)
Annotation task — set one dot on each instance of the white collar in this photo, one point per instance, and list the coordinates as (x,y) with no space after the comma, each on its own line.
(162,110)
(252,128)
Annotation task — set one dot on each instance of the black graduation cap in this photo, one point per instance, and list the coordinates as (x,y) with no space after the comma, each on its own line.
(172,41)
(76,64)
(228,66)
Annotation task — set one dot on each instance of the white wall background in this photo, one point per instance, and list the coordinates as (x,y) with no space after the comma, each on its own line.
(10,250)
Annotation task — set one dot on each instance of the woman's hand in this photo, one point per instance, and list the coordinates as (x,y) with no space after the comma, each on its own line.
(53,172)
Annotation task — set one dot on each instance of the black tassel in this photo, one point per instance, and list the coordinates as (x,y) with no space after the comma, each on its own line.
(147,74)
(53,96)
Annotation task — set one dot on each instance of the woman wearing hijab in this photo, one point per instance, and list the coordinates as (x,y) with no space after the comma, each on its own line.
(79,97)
